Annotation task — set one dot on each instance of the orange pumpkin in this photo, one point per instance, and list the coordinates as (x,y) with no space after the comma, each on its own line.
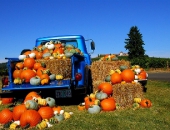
(106,88)
(30,117)
(37,65)
(39,55)
(40,71)
(17,73)
(27,74)
(5,116)
(89,102)
(128,75)
(58,51)
(116,78)
(108,104)
(18,110)
(44,76)
(29,63)
(146,103)
(7,100)
(142,75)
(46,112)
(32,94)
(57,108)
(19,65)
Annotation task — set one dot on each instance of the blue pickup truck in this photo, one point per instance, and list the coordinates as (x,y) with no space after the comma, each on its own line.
(80,81)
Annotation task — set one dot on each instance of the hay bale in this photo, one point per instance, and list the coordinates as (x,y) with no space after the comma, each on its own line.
(100,69)
(58,66)
(124,94)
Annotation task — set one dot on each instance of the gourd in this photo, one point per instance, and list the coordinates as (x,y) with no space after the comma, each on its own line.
(94,109)
(35,80)
(31,104)
(123,67)
(47,54)
(30,118)
(59,116)
(41,102)
(101,95)
(44,81)
(107,78)
(50,101)
(68,54)
(22,57)
(52,76)
(137,100)
(46,112)
(5,116)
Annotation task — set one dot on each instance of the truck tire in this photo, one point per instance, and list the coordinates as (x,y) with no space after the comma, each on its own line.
(24,50)
(88,80)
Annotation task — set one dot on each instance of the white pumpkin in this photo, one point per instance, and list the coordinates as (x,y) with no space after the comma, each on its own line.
(22,57)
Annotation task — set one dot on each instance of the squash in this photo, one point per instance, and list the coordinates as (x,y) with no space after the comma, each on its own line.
(101,95)
(94,109)
(107,78)
(31,104)
(50,101)
(35,80)
(52,77)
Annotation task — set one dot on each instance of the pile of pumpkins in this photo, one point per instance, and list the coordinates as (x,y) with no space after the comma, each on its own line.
(109,57)
(126,75)
(35,111)
(51,50)
(102,100)
(35,73)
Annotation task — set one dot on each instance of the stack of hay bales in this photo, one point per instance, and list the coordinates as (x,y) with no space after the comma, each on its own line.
(124,94)
(58,66)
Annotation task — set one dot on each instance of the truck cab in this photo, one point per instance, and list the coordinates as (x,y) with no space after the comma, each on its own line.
(78,77)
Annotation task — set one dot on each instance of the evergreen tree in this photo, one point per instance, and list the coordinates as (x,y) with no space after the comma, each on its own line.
(134,44)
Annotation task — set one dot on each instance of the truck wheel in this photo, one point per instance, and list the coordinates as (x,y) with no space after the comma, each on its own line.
(24,50)
(88,80)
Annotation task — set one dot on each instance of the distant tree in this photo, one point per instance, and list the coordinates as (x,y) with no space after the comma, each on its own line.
(134,44)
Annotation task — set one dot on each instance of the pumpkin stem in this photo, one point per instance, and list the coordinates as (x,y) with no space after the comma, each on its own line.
(147,103)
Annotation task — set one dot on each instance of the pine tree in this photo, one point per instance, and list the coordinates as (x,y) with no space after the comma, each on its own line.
(134,44)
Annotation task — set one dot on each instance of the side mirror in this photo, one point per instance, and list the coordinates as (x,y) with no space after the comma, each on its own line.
(93,45)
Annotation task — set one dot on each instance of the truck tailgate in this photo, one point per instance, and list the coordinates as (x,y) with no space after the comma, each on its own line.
(27,86)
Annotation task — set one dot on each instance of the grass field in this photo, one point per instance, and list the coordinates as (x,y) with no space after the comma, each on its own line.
(155,118)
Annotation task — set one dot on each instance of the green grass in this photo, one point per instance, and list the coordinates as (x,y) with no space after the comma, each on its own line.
(155,118)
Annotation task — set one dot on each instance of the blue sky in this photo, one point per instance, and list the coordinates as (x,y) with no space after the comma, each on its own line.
(107,22)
